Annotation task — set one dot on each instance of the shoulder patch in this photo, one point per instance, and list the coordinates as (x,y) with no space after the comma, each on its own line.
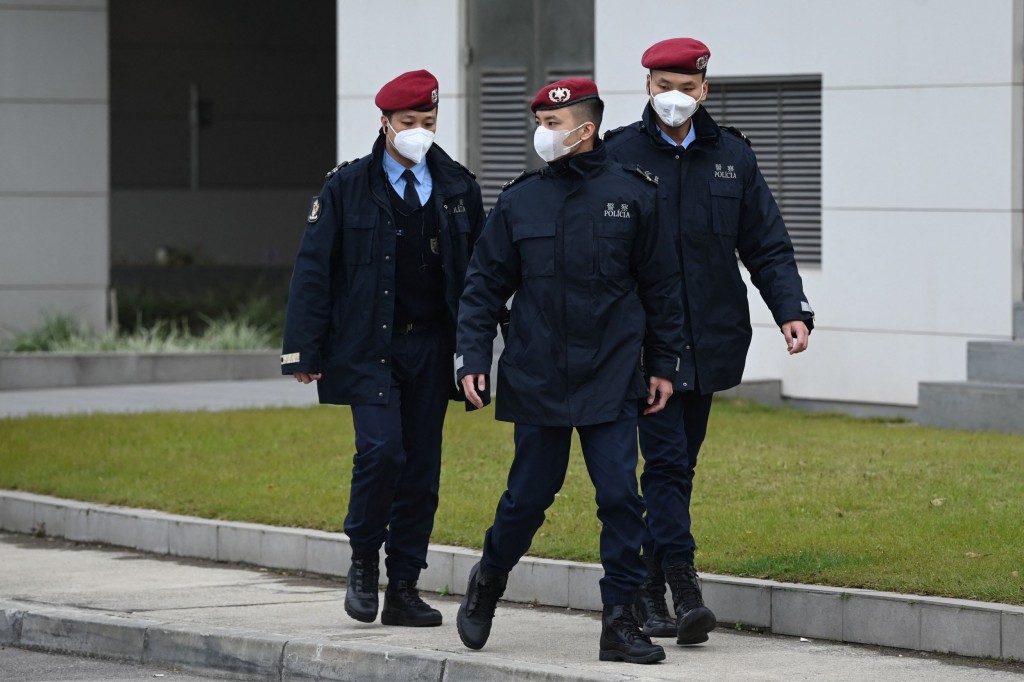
(738,133)
(645,174)
(524,174)
(339,167)
(314,210)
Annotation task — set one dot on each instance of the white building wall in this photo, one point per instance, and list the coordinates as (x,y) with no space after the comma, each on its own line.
(921,173)
(54,161)
(377,43)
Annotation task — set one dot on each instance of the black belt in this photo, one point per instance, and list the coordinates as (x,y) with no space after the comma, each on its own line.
(416,327)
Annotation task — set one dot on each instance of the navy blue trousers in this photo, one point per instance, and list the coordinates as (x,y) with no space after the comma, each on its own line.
(538,472)
(670,441)
(397,466)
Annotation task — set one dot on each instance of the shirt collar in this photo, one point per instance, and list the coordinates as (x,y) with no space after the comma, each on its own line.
(687,141)
(395,169)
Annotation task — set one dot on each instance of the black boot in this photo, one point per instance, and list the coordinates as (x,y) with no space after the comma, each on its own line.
(403,606)
(477,609)
(693,620)
(622,639)
(361,588)
(650,608)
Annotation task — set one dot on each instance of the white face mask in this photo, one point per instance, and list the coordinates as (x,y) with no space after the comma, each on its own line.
(674,108)
(550,144)
(413,143)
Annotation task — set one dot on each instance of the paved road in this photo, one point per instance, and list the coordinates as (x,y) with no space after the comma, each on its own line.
(19,665)
(200,595)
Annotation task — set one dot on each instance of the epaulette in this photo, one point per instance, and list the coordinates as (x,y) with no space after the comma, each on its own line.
(524,174)
(608,134)
(611,133)
(338,168)
(645,174)
(738,133)
(468,172)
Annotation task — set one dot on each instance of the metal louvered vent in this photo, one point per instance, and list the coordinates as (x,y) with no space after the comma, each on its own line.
(503,124)
(782,118)
(558,74)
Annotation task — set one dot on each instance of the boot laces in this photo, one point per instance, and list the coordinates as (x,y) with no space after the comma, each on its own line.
(365,575)
(654,601)
(487,595)
(691,596)
(626,624)
(410,596)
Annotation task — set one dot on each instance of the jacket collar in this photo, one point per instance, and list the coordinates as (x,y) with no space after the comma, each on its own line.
(583,164)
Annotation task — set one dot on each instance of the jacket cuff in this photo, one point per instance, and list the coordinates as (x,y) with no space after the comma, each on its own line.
(300,362)
(665,367)
(465,366)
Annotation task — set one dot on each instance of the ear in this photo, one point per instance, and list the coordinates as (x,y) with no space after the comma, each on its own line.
(648,85)
(588,130)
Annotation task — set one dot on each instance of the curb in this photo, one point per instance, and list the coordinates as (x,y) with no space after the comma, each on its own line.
(956,626)
(67,370)
(255,655)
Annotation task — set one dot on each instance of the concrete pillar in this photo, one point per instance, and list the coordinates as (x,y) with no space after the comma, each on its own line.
(54,161)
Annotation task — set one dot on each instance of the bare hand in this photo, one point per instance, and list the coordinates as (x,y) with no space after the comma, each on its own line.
(658,394)
(471,383)
(796,335)
(306,377)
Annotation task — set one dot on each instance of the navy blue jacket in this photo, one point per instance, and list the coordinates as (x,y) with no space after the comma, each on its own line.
(595,283)
(341,304)
(715,202)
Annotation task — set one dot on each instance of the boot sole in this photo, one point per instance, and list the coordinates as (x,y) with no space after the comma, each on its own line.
(362,617)
(613,655)
(696,631)
(388,619)
(471,645)
(665,631)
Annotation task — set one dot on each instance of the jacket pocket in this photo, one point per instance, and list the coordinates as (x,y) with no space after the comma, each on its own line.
(614,246)
(725,207)
(536,245)
(357,231)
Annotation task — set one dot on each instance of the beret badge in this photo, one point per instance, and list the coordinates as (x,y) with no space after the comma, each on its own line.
(559,95)
(433,95)
(702,61)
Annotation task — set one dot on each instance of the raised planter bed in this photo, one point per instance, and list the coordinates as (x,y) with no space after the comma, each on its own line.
(64,370)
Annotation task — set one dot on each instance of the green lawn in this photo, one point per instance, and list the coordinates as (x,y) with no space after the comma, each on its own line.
(780,494)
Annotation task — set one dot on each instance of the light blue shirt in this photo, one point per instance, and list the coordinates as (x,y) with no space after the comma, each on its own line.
(687,141)
(424,182)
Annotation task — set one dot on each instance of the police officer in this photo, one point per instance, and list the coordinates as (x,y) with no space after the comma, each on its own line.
(594,283)
(716,203)
(371,311)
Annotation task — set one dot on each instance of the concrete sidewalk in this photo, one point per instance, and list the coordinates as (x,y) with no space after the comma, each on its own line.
(256,624)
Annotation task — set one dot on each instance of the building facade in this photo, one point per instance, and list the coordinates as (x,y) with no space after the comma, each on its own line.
(899,167)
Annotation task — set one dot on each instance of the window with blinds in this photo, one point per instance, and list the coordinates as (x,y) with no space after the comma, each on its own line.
(503,100)
(782,118)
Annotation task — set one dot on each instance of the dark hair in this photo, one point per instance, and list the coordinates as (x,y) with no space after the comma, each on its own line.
(590,109)
(703,72)
(389,114)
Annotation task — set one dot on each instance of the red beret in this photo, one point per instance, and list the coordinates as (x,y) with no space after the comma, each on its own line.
(563,93)
(681,55)
(411,90)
